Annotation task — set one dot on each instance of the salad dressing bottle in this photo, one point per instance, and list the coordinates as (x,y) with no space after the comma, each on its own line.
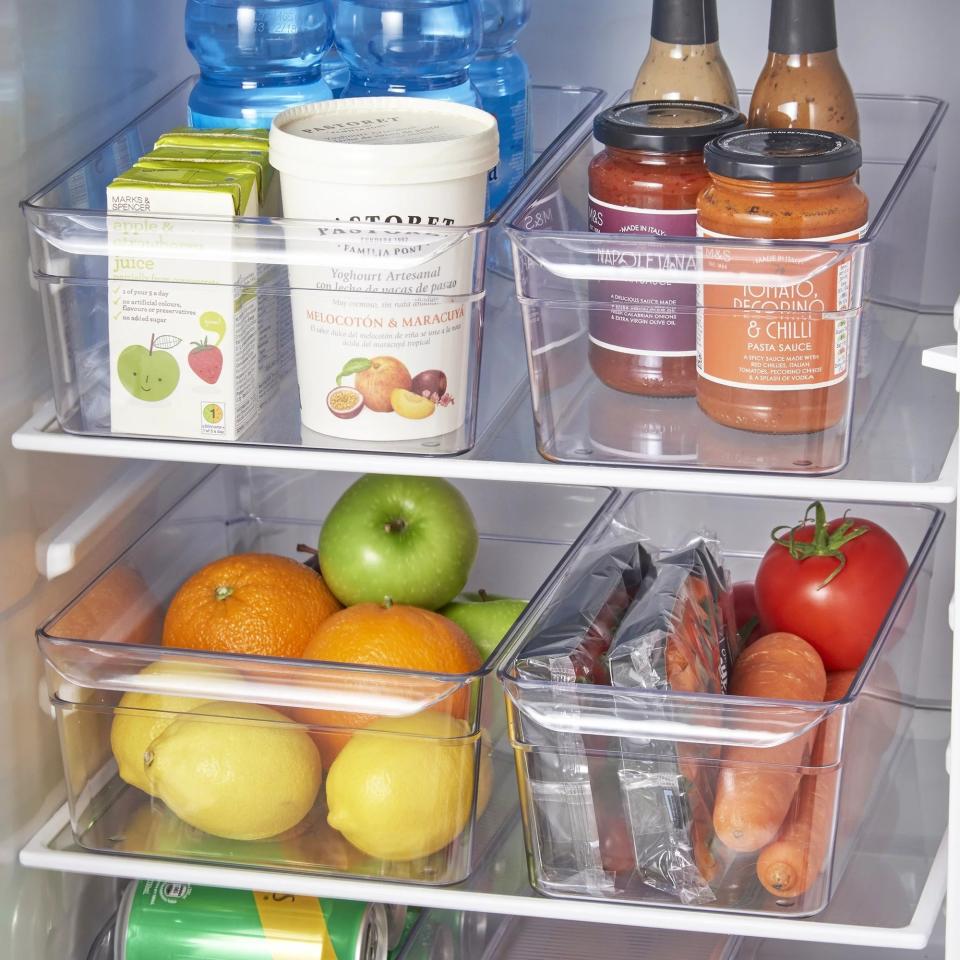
(684,61)
(802,83)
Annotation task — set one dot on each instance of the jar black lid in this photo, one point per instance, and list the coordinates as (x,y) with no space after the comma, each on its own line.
(665,126)
(783,156)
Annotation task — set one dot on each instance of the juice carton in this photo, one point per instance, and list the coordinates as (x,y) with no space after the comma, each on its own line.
(202,146)
(184,357)
(213,155)
(229,137)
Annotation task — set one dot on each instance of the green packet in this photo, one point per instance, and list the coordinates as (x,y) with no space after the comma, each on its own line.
(239,185)
(234,138)
(223,161)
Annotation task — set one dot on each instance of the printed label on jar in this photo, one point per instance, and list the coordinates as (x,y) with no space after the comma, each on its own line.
(657,319)
(385,319)
(376,372)
(782,335)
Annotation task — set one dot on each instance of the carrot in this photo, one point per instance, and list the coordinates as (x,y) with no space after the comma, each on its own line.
(756,790)
(789,866)
(838,683)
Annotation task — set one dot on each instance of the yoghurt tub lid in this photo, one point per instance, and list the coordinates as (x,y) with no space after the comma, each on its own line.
(383,140)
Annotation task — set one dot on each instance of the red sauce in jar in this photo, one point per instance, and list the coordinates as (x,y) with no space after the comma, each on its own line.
(775,358)
(645,183)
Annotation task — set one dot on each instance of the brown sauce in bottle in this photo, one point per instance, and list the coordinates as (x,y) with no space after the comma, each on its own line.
(802,84)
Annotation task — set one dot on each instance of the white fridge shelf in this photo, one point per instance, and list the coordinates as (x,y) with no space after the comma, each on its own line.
(890,894)
(904,446)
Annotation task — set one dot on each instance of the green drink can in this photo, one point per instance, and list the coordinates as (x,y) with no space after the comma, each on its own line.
(398,941)
(178,921)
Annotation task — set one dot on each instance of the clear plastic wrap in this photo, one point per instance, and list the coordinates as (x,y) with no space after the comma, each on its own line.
(642,809)
(676,636)
(573,644)
(571,820)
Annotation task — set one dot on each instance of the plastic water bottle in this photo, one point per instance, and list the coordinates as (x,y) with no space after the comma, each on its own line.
(502,79)
(419,48)
(335,70)
(256,58)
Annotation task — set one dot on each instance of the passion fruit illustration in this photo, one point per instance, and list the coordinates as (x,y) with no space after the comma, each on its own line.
(344,402)
(410,405)
(378,381)
(430,383)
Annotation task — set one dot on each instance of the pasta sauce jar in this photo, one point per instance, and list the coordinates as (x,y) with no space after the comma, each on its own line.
(774,357)
(645,184)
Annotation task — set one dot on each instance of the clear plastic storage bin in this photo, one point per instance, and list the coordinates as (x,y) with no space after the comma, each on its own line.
(75,248)
(453,935)
(566,278)
(616,782)
(97,647)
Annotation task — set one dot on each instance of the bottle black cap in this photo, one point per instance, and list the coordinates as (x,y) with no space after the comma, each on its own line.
(803,26)
(783,156)
(689,22)
(664,126)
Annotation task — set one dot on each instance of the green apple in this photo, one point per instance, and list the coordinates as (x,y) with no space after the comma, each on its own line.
(484,617)
(412,539)
(150,375)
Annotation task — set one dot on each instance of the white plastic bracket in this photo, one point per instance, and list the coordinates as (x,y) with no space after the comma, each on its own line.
(943,358)
(60,548)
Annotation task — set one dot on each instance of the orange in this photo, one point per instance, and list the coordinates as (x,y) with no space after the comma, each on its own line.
(250,603)
(393,635)
(117,608)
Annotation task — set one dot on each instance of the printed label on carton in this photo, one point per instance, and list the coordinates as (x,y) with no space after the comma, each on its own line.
(186,350)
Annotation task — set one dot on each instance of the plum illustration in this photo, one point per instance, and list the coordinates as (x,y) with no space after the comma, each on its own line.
(430,383)
(379,380)
(149,374)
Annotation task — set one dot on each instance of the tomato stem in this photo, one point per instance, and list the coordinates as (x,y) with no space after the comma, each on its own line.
(825,542)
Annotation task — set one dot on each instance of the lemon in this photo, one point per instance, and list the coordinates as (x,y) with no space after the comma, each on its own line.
(235,770)
(405,790)
(140,718)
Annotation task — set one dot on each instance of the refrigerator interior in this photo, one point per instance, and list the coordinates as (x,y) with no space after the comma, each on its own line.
(66,69)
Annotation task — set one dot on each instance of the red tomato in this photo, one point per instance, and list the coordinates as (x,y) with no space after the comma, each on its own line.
(749,625)
(832,584)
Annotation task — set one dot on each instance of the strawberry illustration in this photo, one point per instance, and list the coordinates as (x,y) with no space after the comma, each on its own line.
(206,361)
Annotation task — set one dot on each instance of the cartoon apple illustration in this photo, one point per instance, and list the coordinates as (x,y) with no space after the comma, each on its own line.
(206,361)
(412,539)
(152,373)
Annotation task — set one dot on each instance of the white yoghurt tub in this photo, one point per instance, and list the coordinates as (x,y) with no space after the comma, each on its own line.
(383,306)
